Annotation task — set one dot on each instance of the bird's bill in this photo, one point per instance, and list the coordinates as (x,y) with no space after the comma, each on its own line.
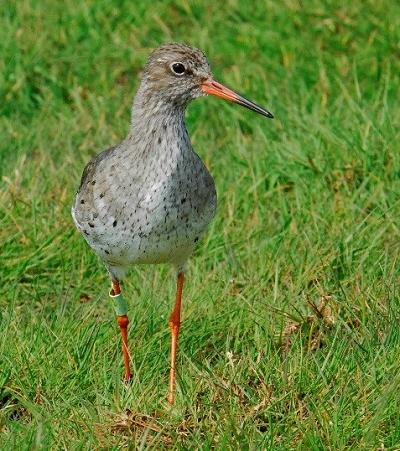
(214,88)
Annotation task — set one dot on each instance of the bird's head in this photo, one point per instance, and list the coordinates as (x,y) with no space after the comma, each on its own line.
(179,73)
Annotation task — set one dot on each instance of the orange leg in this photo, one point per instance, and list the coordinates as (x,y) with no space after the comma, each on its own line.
(174,324)
(123,322)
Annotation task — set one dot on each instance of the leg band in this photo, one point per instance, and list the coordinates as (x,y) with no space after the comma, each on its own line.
(120,305)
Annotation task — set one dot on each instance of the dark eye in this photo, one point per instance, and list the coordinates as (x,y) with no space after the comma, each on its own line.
(178,68)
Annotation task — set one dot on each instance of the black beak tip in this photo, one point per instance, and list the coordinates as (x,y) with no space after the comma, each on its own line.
(269,115)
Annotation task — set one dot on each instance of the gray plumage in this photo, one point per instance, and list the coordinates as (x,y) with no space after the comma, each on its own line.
(150,198)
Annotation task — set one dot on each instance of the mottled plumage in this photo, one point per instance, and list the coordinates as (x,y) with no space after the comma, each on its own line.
(150,198)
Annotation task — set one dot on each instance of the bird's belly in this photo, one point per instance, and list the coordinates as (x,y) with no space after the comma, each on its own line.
(168,236)
(160,232)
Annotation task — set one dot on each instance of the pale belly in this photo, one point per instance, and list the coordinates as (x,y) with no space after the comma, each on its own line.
(158,229)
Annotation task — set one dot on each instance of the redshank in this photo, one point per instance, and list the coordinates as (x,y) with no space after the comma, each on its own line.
(150,198)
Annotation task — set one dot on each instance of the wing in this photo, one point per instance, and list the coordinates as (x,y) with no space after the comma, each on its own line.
(90,168)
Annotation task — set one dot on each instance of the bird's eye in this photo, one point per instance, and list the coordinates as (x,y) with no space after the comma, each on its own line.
(178,68)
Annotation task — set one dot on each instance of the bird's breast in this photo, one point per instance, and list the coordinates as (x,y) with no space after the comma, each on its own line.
(147,213)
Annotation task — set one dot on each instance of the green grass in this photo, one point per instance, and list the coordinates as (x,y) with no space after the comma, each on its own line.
(291,314)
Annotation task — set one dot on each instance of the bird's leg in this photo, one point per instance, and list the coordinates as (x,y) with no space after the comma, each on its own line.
(121,309)
(174,324)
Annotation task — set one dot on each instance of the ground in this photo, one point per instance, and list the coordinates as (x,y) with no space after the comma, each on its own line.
(290,336)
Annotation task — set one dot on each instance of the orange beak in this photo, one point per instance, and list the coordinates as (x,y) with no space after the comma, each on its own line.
(216,89)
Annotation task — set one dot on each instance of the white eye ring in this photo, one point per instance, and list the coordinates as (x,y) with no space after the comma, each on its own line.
(178,68)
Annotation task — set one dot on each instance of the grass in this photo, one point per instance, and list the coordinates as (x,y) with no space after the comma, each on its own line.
(291,315)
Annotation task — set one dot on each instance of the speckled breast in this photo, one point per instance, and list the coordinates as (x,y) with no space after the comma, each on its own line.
(145,213)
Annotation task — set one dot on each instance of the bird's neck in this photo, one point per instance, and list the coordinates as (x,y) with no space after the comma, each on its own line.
(158,125)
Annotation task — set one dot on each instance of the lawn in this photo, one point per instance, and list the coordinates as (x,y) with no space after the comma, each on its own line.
(290,335)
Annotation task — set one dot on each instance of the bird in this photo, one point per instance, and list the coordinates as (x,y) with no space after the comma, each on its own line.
(150,199)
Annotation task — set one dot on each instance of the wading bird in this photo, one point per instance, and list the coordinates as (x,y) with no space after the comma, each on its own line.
(150,198)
